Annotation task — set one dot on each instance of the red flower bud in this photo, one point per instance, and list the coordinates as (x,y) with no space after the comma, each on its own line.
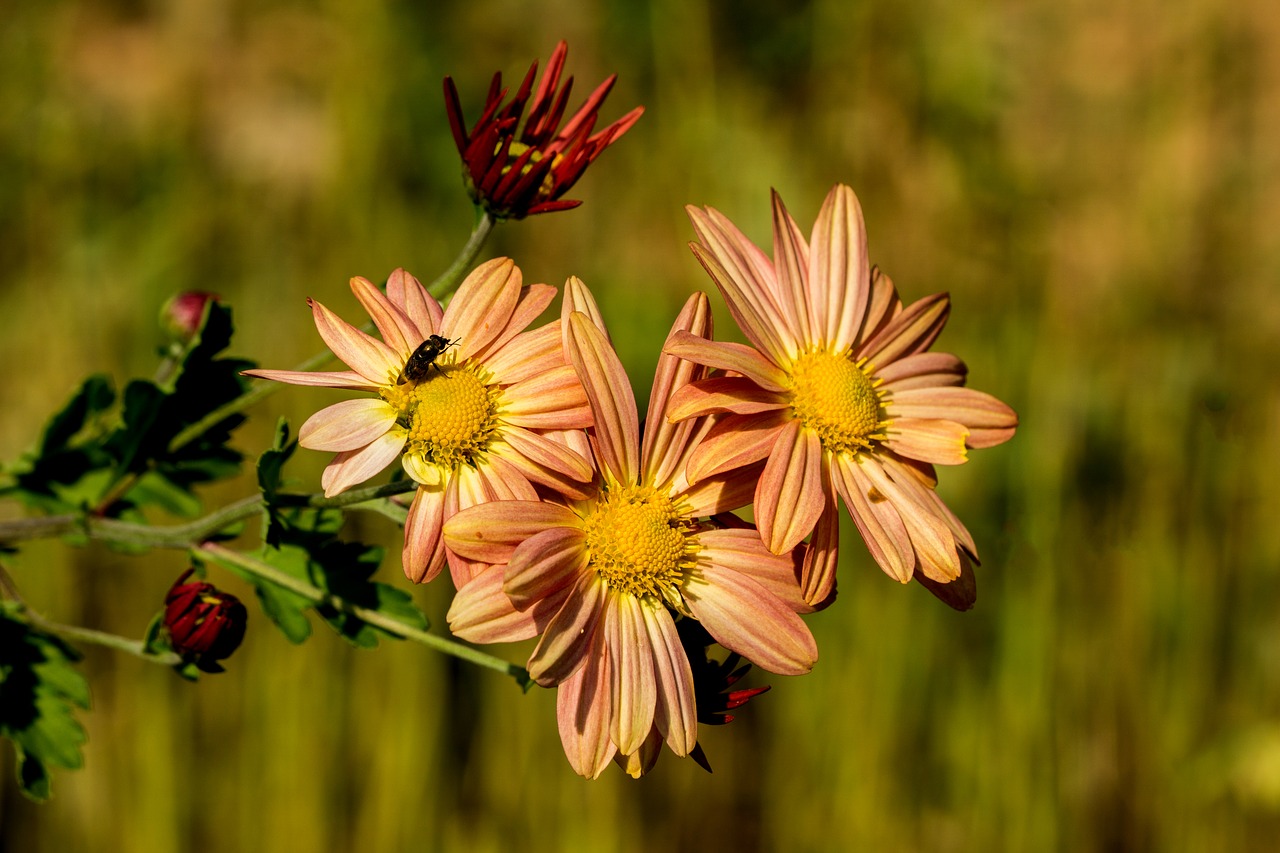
(183,314)
(203,622)
(518,161)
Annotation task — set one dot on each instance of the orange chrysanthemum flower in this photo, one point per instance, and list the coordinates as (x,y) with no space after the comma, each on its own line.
(468,424)
(605,578)
(839,394)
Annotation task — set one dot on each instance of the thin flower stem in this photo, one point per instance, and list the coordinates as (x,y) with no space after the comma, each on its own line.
(452,277)
(137,648)
(180,536)
(238,560)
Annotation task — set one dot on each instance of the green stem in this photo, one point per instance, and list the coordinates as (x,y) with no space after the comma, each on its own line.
(452,277)
(394,626)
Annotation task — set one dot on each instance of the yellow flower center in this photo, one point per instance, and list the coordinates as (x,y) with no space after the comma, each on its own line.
(640,543)
(836,398)
(449,416)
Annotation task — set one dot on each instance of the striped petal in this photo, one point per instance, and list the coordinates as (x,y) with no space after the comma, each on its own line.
(746,618)
(676,714)
(531,301)
(789,497)
(736,394)
(929,440)
(839,273)
(912,331)
(551,400)
(545,564)
(990,421)
(922,370)
(635,692)
(348,425)
(366,355)
(583,715)
(482,613)
(490,532)
(479,311)
(397,330)
(570,633)
(727,355)
(736,441)
(933,542)
(743,552)
(665,443)
(613,405)
(423,555)
(347,379)
(527,354)
(355,466)
(791,267)
(878,521)
(408,294)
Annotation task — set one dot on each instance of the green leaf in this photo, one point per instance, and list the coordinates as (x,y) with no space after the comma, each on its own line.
(39,688)
(270,465)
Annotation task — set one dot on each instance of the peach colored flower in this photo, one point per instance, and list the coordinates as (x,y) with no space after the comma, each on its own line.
(469,427)
(839,394)
(605,578)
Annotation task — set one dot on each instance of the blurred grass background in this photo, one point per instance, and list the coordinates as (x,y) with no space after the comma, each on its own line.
(1098,186)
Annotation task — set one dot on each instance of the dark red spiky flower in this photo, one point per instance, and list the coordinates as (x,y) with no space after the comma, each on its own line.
(204,623)
(517,168)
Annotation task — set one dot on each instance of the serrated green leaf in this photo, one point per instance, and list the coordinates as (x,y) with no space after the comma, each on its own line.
(37,697)
(94,396)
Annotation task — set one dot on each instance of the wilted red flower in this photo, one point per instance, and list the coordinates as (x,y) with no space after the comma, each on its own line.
(516,169)
(203,622)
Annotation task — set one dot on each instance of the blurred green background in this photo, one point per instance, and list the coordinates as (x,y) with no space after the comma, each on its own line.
(1096,183)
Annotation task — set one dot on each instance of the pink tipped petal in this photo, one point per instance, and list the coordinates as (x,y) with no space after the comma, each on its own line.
(881,526)
(397,330)
(635,691)
(743,552)
(746,618)
(583,715)
(736,394)
(408,294)
(791,263)
(347,379)
(348,425)
(490,532)
(570,633)
(960,593)
(934,544)
(613,405)
(922,370)
(928,440)
(545,564)
(368,356)
(664,442)
(483,305)
(789,496)
(503,481)
(355,466)
(736,441)
(909,477)
(990,421)
(532,301)
(839,273)
(912,331)
(528,354)
(551,400)
(728,356)
(482,613)
(535,472)
(423,555)
(549,454)
(578,297)
(676,713)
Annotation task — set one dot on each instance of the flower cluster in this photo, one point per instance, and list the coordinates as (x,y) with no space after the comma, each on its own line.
(612,540)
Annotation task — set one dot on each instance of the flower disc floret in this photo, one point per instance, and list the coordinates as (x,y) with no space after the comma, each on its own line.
(639,543)
(449,416)
(836,398)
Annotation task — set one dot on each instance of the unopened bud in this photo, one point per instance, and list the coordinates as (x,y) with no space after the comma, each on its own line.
(204,623)
(182,316)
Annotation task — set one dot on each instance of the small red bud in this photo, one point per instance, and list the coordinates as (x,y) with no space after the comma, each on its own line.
(203,622)
(183,314)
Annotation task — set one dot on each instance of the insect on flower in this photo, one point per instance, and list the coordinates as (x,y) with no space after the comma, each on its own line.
(424,358)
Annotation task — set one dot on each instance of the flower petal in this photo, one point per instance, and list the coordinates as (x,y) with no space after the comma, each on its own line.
(544,564)
(578,297)
(928,439)
(736,394)
(397,330)
(554,399)
(355,466)
(348,379)
(423,555)
(635,691)
(366,355)
(482,613)
(789,495)
(408,294)
(990,421)
(934,544)
(570,633)
(791,268)
(490,532)
(821,558)
(583,715)
(922,370)
(727,355)
(878,521)
(746,618)
(613,405)
(721,493)
(676,714)
(839,273)
(665,443)
(348,425)
(480,310)
(959,594)
(736,441)
(912,331)
(743,552)
(531,301)
(527,354)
